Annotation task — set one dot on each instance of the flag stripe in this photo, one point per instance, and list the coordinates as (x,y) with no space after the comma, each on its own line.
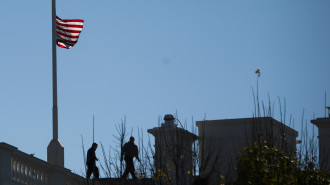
(69,28)
(68,31)
(70,20)
(67,38)
(64,44)
(64,37)
(65,34)
(69,25)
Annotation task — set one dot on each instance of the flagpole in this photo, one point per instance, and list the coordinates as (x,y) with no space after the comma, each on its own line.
(55,150)
(55,109)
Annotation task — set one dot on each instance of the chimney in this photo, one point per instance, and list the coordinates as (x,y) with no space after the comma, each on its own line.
(169,121)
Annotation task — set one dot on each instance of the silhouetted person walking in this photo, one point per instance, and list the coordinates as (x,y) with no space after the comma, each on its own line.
(130,150)
(91,165)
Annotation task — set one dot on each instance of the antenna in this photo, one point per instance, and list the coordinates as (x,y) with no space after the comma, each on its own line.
(325,105)
(93,127)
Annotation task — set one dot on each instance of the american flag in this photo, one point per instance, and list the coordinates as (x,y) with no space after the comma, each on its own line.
(67,32)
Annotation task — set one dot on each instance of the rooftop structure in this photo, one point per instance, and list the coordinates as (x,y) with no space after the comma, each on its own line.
(173,152)
(323,125)
(221,140)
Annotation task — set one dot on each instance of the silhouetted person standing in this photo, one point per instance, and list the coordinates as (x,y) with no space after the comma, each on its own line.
(130,150)
(91,165)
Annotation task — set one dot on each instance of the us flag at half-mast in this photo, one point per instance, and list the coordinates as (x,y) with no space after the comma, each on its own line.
(68,31)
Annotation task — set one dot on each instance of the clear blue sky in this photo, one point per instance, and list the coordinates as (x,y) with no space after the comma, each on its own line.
(145,58)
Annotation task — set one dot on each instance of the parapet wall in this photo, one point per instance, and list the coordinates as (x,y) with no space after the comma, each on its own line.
(19,168)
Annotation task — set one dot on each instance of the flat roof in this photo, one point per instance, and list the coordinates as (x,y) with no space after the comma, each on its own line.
(242,121)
